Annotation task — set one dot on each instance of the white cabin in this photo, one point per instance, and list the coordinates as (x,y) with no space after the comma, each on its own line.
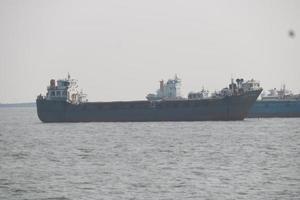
(65,90)
(282,94)
(167,91)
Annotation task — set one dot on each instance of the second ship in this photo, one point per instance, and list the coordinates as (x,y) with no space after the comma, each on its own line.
(276,103)
(64,103)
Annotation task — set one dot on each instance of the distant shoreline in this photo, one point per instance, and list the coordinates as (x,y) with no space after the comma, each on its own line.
(10,105)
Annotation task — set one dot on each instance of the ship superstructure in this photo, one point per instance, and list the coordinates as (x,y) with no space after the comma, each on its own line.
(64,90)
(167,91)
(171,90)
(279,95)
(235,88)
(64,103)
(238,87)
(203,94)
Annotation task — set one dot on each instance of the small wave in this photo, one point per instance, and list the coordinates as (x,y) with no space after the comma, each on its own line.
(83,156)
(139,185)
(86,188)
(199,173)
(242,193)
(81,183)
(5,183)
(56,198)
(180,185)
(19,191)
(86,150)
(20,155)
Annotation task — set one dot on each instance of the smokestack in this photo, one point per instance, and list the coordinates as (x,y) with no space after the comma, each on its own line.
(52,83)
(161,85)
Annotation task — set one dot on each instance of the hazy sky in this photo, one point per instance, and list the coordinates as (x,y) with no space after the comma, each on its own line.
(120,49)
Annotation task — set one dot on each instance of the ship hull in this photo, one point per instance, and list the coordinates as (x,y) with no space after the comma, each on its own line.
(268,109)
(228,108)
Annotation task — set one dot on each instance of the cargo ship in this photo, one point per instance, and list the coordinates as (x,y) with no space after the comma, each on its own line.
(276,103)
(65,103)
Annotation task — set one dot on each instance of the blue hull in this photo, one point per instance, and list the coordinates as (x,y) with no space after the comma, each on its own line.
(283,108)
(228,108)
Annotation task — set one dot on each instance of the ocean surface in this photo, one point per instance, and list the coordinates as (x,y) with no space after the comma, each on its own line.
(250,159)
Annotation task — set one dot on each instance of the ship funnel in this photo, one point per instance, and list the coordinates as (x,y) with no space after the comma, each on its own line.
(52,83)
(161,85)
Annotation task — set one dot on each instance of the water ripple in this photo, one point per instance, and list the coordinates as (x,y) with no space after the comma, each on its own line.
(251,159)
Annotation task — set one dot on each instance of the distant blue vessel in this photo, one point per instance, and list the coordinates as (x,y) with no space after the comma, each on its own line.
(277,103)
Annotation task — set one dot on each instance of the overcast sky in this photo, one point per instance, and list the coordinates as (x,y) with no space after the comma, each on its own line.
(120,49)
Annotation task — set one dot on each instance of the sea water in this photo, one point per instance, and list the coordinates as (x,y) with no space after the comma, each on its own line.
(250,159)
